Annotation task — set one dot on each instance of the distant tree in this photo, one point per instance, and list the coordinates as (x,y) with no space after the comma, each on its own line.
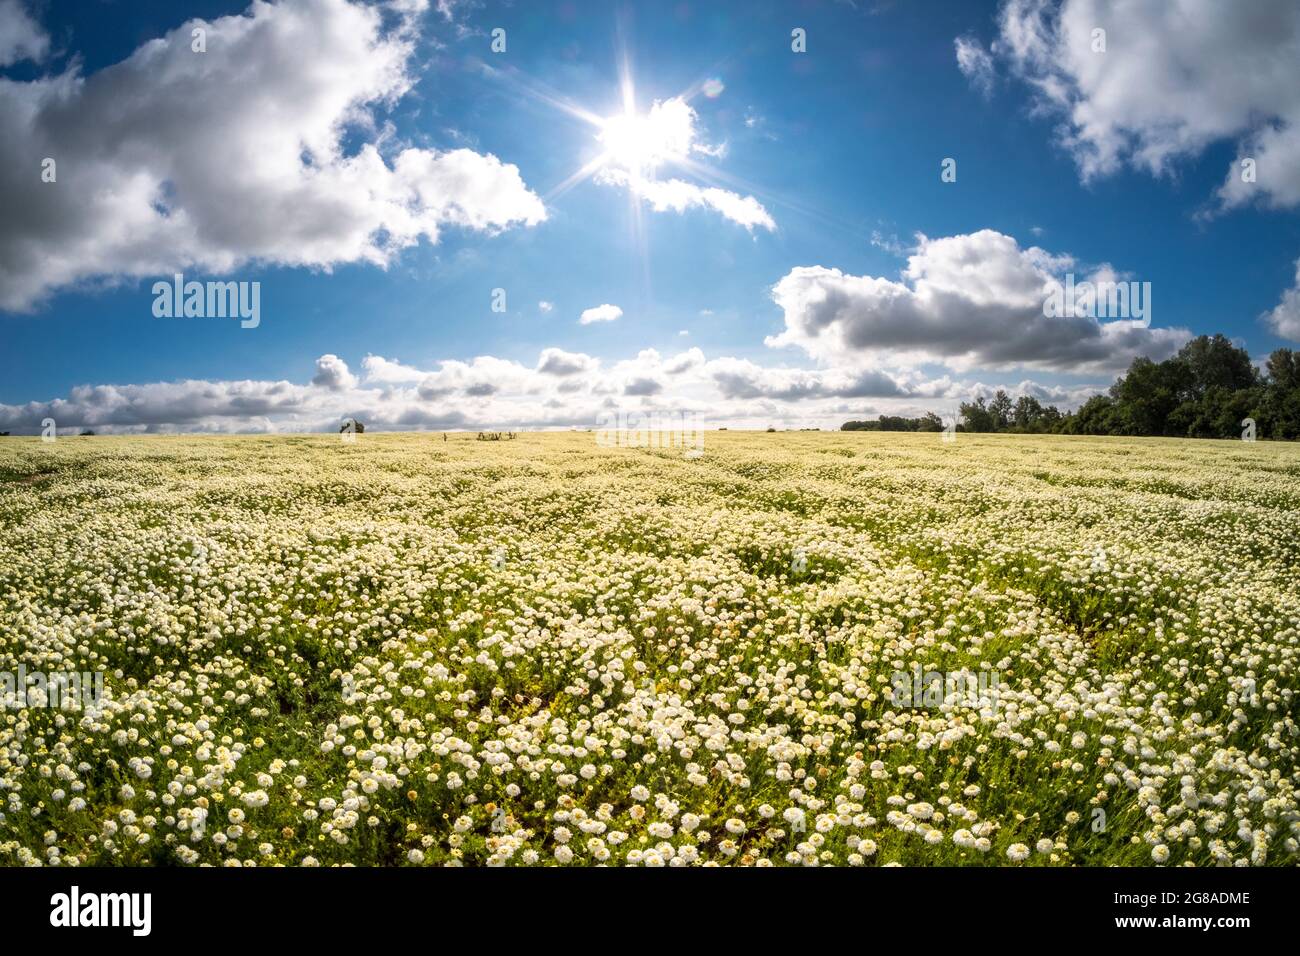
(1147,396)
(895,423)
(1283,369)
(1000,409)
(929,422)
(1096,417)
(1212,361)
(1280,401)
(1027,413)
(977,417)
(1205,391)
(87,432)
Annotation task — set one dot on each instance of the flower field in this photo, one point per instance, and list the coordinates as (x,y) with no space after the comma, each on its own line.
(408,651)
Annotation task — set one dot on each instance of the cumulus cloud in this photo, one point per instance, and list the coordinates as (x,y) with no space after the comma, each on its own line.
(564,390)
(643,385)
(684,362)
(332,373)
(185,405)
(1284,319)
(975,63)
(561,363)
(966,301)
(600,313)
(21,37)
(485,375)
(740,378)
(380,370)
(171,160)
(1174,78)
(545,306)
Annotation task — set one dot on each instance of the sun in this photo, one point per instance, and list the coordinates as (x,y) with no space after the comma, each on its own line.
(639,142)
(630,142)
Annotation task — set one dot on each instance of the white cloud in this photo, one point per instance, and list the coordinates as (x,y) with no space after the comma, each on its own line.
(600,313)
(975,63)
(484,375)
(332,373)
(1284,319)
(21,37)
(559,362)
(669,131)
(684,362)
(635,146)
(172,160)
(545,306)
(564,389)
(742,379)
(965,301)
(643,385)
(678,195)
(382,371)
(1174,78)
(890,244)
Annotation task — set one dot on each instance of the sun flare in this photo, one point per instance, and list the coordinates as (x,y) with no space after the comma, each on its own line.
(640,142)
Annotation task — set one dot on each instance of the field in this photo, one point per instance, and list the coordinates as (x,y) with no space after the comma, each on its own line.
(410,651)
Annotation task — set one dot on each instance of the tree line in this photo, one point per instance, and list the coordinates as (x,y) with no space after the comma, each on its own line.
(1210,389)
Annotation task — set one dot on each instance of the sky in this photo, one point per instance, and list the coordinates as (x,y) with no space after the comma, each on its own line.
(468,215)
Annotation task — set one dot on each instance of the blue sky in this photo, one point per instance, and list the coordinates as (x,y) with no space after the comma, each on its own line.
(834,155)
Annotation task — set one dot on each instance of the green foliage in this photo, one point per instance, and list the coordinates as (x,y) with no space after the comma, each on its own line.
(929,422)
(1207,390)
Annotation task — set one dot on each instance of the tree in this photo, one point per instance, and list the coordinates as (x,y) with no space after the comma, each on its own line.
(1147,396)
(929,422)
(1205,391)
(1214,362)
(1000,409)
(1027,413)
(894,423)
(1096,417)
(976,416)
(1280,401)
